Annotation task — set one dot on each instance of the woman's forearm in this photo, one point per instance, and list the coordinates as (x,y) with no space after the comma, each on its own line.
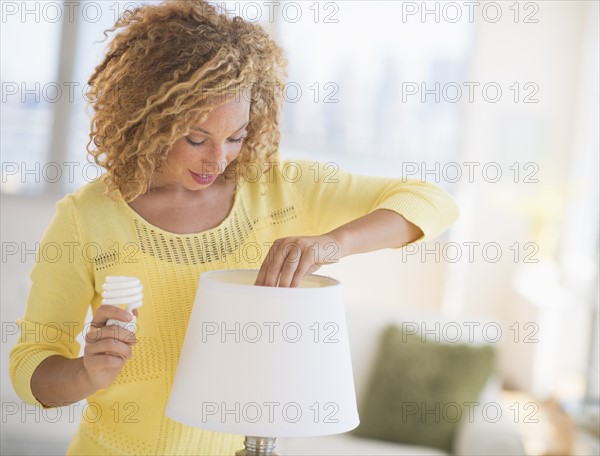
(380,229)
(60,381)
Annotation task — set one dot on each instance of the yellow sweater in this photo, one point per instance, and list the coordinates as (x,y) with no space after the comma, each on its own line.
(92,236)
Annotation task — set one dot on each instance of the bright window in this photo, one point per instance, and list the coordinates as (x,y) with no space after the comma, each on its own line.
(29,92)
(369,91)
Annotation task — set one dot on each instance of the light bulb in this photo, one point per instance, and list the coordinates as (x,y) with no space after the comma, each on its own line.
(126,293)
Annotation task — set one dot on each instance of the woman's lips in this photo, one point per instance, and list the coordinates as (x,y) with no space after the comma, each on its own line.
(204,179)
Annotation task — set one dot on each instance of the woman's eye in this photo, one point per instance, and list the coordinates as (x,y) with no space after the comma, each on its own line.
(238,140)
(231,140)
(194,143)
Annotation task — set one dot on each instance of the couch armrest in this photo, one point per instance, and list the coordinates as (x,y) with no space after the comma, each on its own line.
(489,430)
(482,437)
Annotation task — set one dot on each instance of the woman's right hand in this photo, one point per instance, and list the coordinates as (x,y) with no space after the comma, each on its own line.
(107,348)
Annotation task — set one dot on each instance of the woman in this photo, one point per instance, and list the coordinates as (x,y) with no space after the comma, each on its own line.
(186,111)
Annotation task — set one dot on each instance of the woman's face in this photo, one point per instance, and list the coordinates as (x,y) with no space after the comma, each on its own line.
(195,161)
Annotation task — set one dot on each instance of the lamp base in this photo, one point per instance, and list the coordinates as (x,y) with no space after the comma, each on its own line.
(258,446)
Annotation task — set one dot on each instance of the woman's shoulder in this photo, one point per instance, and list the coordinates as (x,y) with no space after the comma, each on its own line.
(90,197)
(93,191)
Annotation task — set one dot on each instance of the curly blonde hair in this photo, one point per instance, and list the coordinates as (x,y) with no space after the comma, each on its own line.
(161,76)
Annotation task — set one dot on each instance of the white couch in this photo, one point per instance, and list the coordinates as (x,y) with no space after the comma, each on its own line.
(477,436)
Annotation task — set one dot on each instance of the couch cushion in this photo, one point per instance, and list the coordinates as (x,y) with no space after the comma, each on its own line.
(419,390)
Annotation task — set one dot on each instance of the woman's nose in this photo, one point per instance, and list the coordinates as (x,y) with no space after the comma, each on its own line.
(217,158)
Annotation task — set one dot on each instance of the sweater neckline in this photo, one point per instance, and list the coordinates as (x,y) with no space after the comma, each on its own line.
(226,221)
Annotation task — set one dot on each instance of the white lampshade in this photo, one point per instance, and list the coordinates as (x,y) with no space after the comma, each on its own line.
(265,361)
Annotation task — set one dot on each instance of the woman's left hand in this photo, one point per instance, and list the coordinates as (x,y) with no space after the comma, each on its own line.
(291,258)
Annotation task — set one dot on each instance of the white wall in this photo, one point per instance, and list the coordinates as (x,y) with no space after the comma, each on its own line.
(23,222)
(554,53)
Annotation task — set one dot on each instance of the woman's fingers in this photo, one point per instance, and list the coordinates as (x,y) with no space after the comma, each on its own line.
(290,259)
(267,275)
(287,271)
(305,266)
(112,332)
(105,313)
(108,361)
(281,255)
(109,347)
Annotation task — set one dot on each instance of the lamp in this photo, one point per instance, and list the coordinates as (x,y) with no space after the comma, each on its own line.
(265,362)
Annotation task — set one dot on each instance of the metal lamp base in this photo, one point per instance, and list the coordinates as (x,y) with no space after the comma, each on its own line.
(258,446)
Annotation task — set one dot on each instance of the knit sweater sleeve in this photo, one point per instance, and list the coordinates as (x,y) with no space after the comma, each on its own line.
(60,294)
(332,197)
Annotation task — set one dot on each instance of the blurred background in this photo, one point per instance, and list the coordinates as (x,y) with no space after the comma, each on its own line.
(495,101)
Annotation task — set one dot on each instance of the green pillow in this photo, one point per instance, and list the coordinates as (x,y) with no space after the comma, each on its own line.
(418,390)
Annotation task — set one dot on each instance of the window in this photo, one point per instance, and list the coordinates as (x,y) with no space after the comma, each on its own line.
(29,92)
(369,91)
